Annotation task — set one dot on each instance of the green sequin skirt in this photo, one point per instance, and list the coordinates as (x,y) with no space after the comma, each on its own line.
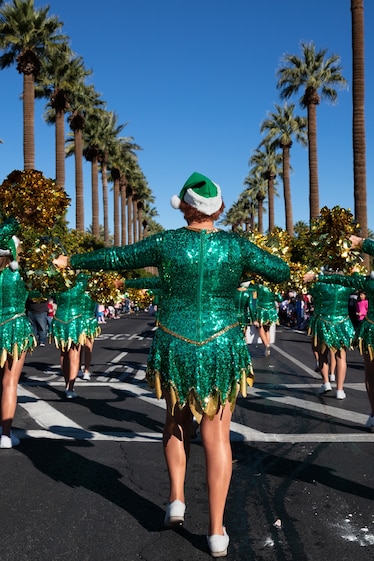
(16,336)
(266,316)
(68,333)
(365,336)
(212,370)
(334,335)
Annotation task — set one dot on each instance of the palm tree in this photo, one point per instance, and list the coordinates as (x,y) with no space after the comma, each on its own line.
(58,78)
(83,99)
(119,164)
(281,127)
(313,73)
(257,189)
(358,99)
(112,147)
(27,36)
(267,163)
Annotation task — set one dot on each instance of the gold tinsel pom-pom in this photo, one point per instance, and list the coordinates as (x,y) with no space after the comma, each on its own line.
(330,234)
(102,287)
(33,199)
(38,272)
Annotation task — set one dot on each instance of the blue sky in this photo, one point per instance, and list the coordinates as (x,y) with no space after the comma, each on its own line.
(193,80)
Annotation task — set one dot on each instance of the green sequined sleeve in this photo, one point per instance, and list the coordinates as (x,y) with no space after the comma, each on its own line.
(355,281)
(260,261)
(141,254)
(149,283)
(368,246)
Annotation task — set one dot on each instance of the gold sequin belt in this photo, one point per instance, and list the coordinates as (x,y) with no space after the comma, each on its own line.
(12,318)
(332,322)
(198,343)
(69,320)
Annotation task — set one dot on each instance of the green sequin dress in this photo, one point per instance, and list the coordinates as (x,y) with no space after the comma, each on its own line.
(365,331)
(74,321)
(198,352)
(16,333)
(266,309)
(330,324)
(244,304)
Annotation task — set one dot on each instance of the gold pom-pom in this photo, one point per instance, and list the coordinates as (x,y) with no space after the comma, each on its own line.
(33,199)
(330,234)
(102,287)
(38,272)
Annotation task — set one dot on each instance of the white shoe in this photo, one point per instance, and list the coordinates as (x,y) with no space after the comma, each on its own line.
(9,441)
(218,544)
(175,514)
(70,394)
(86,375)
(326,387)
(332,377)
(340,394)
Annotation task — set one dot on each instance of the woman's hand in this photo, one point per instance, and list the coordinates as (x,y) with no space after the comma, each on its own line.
(61,261)
(309,277)
(356,241)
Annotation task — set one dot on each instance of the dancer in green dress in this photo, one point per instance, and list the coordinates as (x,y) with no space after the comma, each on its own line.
(331,327)
(71,328)
(266,314)
(366,328)
(198,359)
(16,332)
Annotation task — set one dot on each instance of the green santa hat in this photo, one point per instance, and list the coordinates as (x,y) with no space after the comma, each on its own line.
(200,193)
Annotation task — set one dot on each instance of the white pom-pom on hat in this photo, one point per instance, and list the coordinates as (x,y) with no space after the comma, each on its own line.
(175,201)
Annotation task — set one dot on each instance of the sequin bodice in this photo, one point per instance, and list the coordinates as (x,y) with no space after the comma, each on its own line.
(330,300)
(199,273)
(13,294)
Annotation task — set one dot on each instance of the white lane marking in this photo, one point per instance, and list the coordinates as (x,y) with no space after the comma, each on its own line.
(66,428)
(42,413)
(328,410)
(297,362)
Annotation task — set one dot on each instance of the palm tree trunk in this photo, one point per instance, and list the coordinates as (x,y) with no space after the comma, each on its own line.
(287,189)
(79,199)
(313,161)
(271,178)
(60,148)
(104,183)
(140,220)
(28,121)
(129,215)
(116,208)
(95,197)
(358,98)
(260,214)
(124,221)
(135,218)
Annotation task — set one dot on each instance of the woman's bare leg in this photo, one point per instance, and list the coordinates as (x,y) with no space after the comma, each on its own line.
(264,334)
(341,368)
(332,363)
(369,380)
(70,366)
(10,375)
(323,359)
(176,441)
(87,352)
(215,435)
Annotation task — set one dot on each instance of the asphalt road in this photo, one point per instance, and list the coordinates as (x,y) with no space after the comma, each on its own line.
(88,481)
